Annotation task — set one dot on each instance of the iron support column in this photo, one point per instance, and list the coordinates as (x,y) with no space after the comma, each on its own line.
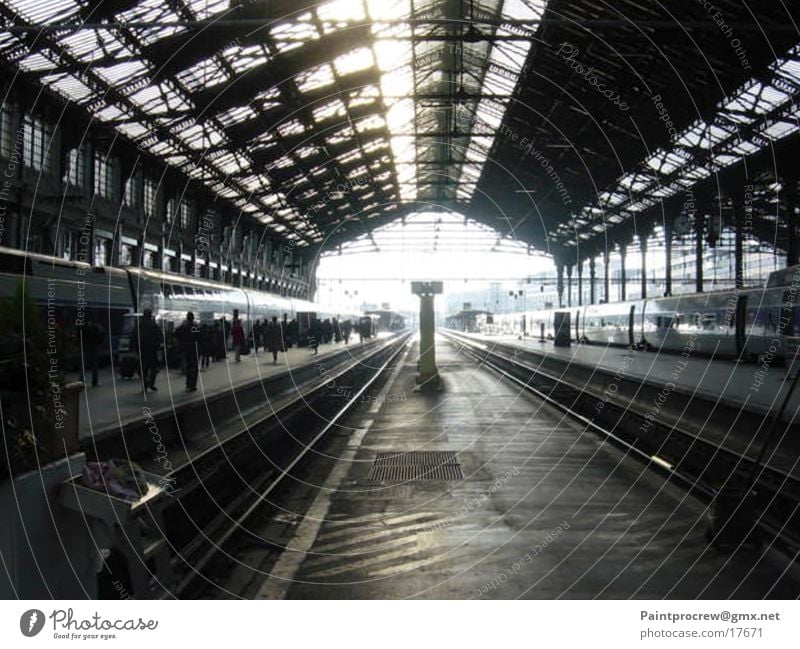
(698,258)
(569,285)
(667,258)
(643,251)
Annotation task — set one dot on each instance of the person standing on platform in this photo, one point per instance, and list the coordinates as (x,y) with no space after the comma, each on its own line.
(237,335)
(148,343)
(327,331)
(93,337)
(274,339)
(206,346)
(314,335)
(346,329)
(188,335)
(337,331)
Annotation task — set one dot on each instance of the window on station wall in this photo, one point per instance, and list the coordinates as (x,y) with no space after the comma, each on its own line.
(132,196)
(149,194)
(7,136)
(76,167)
(186,216)
(172,209)
(102,251)
(37,146)
(126,255)
(70,244)
(148,259)
(105,169)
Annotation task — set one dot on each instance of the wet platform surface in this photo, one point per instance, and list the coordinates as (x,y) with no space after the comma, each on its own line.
(731,382)
(544,510)
(119,400)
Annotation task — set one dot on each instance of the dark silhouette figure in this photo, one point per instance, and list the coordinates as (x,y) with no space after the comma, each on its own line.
(188,335)
(93,337)
(347,329)
(148,342)
(237,335)
(274,339)
(314,335)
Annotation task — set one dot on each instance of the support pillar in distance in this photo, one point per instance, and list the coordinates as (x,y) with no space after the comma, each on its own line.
(428,376)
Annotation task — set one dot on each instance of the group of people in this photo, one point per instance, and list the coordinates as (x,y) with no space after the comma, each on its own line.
(328,330)
(198,344)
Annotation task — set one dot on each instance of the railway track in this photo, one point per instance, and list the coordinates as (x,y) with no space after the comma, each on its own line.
(743,490)
(215,492)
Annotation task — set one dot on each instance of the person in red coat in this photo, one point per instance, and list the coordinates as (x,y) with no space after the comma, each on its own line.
(237,335)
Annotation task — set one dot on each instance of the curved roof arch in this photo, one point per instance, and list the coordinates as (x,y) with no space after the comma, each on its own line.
(325,120)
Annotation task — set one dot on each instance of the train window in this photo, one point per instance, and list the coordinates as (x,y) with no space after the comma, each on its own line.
(167,290)
(18,264)
(177,289)
(188,290)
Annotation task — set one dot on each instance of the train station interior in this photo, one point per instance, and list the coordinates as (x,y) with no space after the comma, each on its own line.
(399,299)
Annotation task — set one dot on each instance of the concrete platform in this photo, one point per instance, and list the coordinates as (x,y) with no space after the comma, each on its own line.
(544,510)
(715,378)
(118,400)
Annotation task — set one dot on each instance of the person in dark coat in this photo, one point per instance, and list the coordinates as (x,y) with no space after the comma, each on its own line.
(327,331)
(347,328)
(291,333)
(188,335)
(259,335)
(274,339)
(147,342)
(93,336)
(337,331)
(314,335)
(221,339)
(206,346)
(237,335)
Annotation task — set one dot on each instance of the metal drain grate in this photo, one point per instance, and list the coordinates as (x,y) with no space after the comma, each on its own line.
(415,466)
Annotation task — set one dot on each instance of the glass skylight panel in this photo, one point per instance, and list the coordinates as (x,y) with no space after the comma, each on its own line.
(696,173)
(305,152)
(125,72)
(236,115)
(374,145)
(39,12)
(133,130)
(203,9)
(403,149)
(352,156)
(779,130)
(289,35)
(245,58)
(89,45)
(315,78)
(36,63)
(205,74)
(110,112)
(340,137)
(69,86)
(291,127)
(354,61)
(371,123)
(331,109)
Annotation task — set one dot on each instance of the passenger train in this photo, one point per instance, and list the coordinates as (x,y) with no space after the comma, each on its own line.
(70,291)
(744,323)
